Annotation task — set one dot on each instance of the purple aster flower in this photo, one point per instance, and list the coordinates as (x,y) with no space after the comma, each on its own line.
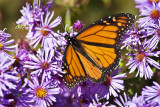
(141,60)
(7,77)
(4,36)
(18,97)
(19,58)
(40,33)
(132,37)
(138,101)
(30,16)
(6,46)
(151,15)
(154,31)
(37,4)
(111,86)
(142,3)
(42,92)
(152,93)
(78,26)
(96,102)
(45,62)
(124,102)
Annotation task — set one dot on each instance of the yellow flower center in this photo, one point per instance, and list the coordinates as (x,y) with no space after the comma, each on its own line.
(1,46)
(41,93)
(44,32)
(140,56)
(45,65)
(155,14)
(153,1)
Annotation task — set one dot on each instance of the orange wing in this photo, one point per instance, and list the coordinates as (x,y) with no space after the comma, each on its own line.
(73,68)
(100,40)
(78,69)
(96,50)
(92,71)
(108,30)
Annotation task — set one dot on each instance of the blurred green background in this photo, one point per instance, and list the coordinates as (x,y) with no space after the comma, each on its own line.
(87,11)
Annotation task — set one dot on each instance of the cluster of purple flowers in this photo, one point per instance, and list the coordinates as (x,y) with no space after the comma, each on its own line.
(31,71)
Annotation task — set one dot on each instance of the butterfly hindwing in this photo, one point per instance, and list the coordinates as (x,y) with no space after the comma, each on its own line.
(73,68)
(93,72)
(78,68)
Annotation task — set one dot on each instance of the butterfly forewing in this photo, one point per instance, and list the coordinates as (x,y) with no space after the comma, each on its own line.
(101,39)
(111,27)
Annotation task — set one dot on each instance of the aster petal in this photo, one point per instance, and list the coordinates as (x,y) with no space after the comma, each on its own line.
(46,19)
(9,42)
(120,76)
(35,82)
(131,60)
(155,83)
(37,42)
(118,86)
(29,83)
(35,72)
(51,55)
(56,22)
(133,66)
(54,91)
(51,16)
(112,91)
(154,63)
(52,98)
(46,54)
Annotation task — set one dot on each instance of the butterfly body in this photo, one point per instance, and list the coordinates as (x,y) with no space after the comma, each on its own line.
(95,50)
(71,40)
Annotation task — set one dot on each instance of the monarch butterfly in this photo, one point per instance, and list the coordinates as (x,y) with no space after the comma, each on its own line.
(95,50)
